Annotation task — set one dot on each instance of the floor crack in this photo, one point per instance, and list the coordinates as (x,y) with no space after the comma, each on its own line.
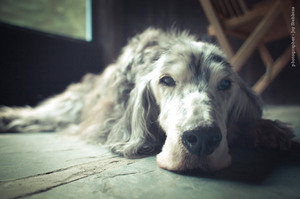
(28,186)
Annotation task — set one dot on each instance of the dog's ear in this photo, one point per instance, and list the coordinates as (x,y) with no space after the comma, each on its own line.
(246,107)
(245,122)
(135,134)
(268,134)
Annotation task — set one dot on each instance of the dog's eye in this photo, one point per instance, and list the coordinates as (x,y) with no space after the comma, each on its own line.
(217,58)
(224,84)
(167,81)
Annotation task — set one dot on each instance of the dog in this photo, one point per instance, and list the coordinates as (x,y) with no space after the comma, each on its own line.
(168,93)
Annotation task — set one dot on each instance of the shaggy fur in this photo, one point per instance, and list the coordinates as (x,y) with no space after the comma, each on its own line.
(161,86)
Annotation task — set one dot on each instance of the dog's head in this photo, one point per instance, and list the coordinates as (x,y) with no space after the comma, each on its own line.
(199,96)
(187,91)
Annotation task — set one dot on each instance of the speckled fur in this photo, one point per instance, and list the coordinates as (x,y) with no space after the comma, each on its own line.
(133,114)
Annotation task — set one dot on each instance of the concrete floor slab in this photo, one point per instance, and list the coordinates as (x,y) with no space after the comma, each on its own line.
(44,165)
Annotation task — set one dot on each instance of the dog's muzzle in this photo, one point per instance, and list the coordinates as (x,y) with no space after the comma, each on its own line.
(202,141)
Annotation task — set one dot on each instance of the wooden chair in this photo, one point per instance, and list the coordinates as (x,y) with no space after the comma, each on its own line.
(266,21)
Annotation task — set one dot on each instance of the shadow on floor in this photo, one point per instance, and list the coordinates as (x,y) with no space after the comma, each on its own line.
(252,166)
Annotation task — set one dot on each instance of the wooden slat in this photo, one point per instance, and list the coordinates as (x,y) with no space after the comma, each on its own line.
(220,34)
(277,31)
(243,5)
(279,64)
(222,6)
(236,7)
(266,58)
(236,22)
(265,55)
(251,43)
(229,8)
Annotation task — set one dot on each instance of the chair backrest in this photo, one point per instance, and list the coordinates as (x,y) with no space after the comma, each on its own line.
(230,8)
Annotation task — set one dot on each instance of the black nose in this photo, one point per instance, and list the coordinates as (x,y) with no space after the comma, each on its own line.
(202,141)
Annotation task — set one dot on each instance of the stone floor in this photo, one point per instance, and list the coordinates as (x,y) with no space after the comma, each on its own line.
(45,165)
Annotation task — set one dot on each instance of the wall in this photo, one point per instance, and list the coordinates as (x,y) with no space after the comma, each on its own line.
(117,20)
(34,66)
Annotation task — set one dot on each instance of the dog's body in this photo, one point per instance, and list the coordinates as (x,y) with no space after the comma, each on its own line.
(166,89)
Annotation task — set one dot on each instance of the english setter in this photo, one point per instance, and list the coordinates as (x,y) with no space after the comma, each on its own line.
(166,92)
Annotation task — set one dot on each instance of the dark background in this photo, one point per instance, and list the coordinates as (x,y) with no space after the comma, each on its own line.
(35,65)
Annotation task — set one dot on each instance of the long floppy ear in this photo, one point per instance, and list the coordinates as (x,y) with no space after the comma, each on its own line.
(268,134)
(252,130)
(135,134)
(247,105)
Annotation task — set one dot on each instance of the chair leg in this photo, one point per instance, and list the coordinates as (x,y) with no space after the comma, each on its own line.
(267,58)
(220,33)
(251,43)
(278,65)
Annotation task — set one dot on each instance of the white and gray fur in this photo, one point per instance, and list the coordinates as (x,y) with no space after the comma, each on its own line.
(134,114)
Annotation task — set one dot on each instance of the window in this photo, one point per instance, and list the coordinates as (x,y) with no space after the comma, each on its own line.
(69,18)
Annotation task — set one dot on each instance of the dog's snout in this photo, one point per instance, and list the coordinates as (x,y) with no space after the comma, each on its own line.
(202,141)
